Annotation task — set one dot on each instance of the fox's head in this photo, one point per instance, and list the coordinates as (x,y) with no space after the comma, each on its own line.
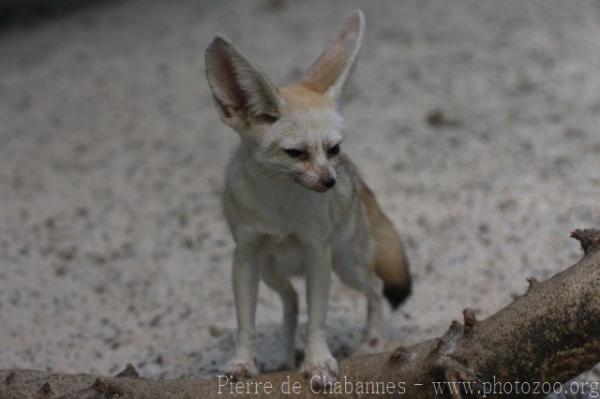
(294,131)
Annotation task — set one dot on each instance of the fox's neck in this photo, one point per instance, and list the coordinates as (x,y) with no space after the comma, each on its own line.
(276,202)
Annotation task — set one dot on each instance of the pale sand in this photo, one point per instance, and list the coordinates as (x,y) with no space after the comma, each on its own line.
(113,247)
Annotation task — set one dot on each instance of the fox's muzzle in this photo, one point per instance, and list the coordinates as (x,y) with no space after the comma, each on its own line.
(328,181)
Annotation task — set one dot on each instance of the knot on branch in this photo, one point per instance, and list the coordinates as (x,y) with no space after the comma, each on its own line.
(128,371)
(105,388)
(532,283)
(399,355)
(10,378)
(470,320)
(447,342)
(100,386)
(45,391)
(589,239)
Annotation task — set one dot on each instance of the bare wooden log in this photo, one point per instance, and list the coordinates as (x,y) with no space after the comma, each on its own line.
(549,334)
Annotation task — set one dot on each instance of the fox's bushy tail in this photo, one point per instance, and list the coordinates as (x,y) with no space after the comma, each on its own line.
(391,264)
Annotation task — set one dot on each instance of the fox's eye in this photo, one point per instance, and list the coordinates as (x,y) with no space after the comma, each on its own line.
(333,150)
(294,153)
(267,118)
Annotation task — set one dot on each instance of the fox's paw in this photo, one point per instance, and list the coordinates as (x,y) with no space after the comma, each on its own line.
(238,369)
(321,373)
(371,346)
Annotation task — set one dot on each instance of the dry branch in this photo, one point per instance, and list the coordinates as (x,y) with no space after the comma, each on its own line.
(551,333)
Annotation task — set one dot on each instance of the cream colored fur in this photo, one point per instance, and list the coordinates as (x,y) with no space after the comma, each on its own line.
(292,200)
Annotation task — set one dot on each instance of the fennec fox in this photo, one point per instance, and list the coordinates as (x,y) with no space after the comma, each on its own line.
(295,203)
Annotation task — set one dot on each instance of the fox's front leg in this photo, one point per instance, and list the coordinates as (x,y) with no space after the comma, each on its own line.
(319,365)
(245,280)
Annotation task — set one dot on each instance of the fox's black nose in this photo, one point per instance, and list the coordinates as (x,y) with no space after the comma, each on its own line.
(329,182)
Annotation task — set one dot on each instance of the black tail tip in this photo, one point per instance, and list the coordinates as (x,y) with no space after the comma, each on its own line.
(396,294)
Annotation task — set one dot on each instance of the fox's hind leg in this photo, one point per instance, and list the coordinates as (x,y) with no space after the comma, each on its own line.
(353,270)
(281,284)
(374,340)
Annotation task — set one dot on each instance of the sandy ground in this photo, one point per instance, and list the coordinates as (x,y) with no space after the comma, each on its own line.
(113,247)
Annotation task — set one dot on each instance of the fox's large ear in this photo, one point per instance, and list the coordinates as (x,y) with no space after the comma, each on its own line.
(328,75)
(241,91)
